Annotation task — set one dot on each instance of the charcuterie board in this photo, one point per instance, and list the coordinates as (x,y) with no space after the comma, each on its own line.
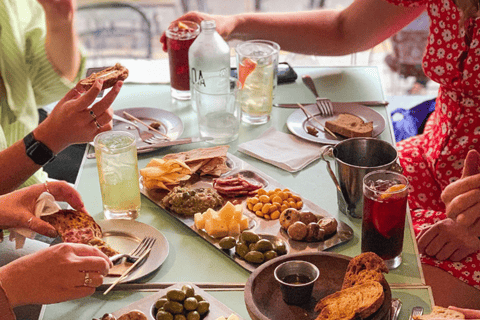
(269,229)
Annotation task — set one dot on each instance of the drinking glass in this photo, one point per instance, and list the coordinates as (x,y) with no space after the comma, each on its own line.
(257,71)
(384,211)
(218,110)
(180,36)
(116,153)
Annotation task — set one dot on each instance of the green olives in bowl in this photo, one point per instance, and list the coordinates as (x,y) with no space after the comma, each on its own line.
(180,304)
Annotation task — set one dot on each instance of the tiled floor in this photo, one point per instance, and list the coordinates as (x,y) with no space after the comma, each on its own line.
(393,84)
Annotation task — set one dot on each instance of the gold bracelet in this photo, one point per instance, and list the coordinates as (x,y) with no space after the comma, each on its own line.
(5,307)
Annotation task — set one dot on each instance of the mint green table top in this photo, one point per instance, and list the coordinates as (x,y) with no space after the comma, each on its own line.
(191,258)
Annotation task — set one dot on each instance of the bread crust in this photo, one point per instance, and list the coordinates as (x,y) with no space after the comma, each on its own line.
(366,266)
(350,126)
(359,301)
(441,313)
(110,76)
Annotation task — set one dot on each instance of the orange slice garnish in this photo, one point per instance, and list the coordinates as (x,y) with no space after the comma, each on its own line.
(246,67)
(182,26)
(389,191)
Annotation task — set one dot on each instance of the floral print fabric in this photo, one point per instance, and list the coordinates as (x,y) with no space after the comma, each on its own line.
(435,159)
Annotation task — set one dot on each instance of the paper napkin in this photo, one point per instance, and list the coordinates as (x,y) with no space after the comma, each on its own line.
(283,150)
(45,205)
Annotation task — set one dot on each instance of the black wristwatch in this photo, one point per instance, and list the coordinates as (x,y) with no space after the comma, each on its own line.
(37,151)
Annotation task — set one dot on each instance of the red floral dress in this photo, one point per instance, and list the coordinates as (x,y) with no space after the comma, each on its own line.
(435,159)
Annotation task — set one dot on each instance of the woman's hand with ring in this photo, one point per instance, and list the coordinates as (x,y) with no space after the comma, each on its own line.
(54,274)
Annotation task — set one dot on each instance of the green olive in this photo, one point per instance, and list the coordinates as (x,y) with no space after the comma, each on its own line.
(263,245)
(189,291)
(280,247)
(163,315)
(179,317)
(193,315)
(173,307)
(160,302)
(249,236)
(269,255)
(190,304)
(227,243)
(251,246)
(199,297)
(241,249)
(203,307)
(176,295)
(254,257)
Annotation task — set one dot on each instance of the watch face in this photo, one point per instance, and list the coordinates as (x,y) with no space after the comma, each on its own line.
(40,153)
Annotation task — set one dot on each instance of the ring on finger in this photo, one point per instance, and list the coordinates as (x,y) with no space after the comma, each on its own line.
(93,115)
(97,124)
(46,187)
(87,279)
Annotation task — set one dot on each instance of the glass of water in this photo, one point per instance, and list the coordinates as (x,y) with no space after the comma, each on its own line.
(116,153)
(218,110)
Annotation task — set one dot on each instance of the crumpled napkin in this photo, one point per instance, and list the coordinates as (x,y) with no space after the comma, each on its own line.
(283,150)
(44,206)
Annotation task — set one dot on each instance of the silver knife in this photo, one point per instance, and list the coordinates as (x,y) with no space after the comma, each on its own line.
(162,144)
(373,103)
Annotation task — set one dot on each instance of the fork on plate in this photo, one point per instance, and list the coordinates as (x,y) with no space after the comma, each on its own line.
(324,105)
(135,254)
(144,135)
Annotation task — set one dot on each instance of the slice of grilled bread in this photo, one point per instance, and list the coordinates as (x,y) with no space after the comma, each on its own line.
(364,267)
(441,313)
(350,126)
(360,301)
(110,76)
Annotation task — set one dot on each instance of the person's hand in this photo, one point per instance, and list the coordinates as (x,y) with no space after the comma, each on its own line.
(58,10)
(54,274)
(224,24)
(468,313)
(462,197)
(447,240)
(71,120)
(17,208)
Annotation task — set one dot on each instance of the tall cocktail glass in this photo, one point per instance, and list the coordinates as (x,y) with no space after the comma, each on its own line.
(116,153)
(180,36)
(257,67)
(384,211)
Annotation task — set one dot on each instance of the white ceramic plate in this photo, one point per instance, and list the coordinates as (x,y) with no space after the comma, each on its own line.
(172,124)
(297,122)
(124,236)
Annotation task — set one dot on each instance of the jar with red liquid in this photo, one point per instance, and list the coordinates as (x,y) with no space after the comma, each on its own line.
(384,211)
(180,36)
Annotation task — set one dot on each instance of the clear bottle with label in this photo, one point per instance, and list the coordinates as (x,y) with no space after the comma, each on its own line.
(209,54)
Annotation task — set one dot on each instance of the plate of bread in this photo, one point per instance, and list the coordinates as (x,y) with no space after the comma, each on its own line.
(348,121)
(347,288)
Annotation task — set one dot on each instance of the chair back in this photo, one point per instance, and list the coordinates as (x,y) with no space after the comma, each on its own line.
(412,120)
(114,30)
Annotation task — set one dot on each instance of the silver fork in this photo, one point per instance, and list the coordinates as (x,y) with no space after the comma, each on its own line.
(136,253)
(146,136)
(324,106)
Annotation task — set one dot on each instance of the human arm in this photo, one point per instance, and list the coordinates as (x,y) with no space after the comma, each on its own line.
(358,27)
(70,122)
(61,42)
(462,197)
(447,240)
(54,274)
(17,208)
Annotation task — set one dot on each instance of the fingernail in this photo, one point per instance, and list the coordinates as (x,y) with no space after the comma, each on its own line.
(119,84)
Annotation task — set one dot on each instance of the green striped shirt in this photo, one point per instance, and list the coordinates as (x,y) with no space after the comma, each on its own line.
(29,79)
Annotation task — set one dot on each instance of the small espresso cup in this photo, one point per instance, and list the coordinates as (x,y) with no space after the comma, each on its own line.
(354,158)
(296,279)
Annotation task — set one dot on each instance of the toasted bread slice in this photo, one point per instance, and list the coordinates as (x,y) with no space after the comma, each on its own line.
(350,126)
(366,266)
(359,301)
(110,76)
(441,313)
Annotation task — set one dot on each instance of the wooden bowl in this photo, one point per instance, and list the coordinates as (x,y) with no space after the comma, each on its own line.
(264,298)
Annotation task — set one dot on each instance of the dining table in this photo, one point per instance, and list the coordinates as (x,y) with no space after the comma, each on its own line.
(190,257)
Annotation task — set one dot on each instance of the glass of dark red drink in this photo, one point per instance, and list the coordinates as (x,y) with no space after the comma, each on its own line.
(180,36)
(384,210)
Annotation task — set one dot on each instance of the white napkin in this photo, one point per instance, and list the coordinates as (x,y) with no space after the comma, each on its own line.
(282,150)
(44,206)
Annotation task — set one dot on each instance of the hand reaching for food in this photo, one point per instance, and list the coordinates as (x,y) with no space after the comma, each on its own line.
(447,240)
(16,208)
(58,273)
(462,197)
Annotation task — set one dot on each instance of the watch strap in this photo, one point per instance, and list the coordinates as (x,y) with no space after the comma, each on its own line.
(37,151)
